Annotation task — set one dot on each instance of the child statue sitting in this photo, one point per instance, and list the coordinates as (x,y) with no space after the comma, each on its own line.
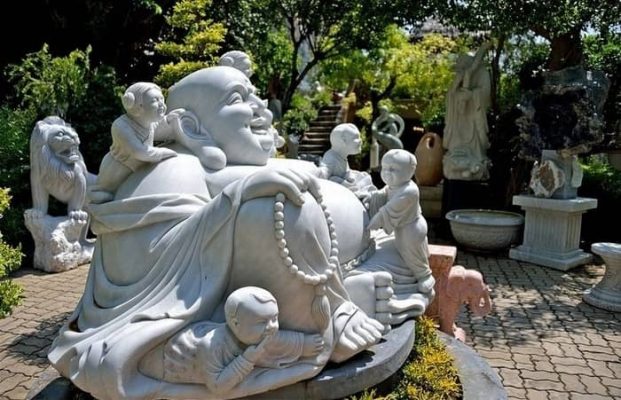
(396,208)
(345,141)
(132,139)
(225,354)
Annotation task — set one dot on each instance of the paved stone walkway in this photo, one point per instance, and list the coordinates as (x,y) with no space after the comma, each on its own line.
(541,338)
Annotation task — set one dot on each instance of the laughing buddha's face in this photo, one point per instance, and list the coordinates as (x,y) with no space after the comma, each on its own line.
(223,100)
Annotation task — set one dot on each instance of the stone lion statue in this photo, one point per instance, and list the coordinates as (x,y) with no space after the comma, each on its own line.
(57,168)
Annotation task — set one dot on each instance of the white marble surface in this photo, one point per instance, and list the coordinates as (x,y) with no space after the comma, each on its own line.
(182,234)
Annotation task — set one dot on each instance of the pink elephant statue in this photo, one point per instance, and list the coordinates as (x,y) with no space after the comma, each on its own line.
(464,286)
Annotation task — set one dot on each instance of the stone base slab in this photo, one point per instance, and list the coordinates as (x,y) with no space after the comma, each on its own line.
(559,261)
(604,299)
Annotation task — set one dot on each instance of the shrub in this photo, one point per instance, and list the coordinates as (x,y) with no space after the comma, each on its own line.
(10,259)
(603,182)
(428,373)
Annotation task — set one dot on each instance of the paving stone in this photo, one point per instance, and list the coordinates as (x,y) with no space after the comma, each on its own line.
(600,368)
(554,395)
(572,383)
(579,396)
(544,366)
(511,377)
(608,382)
(593,385)
(12,381)
(543,385)
(18,393)
(601,356)
(532,394)
(540,375)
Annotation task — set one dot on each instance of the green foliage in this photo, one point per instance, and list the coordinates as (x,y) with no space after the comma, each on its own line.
(599,173)
(603,52)
(520,16)
(194,40)
(14,166)
(303,110)
(50,85)
(272,59)
(315,31)
(420,71)
(10,259)
(87,96)
(428,374)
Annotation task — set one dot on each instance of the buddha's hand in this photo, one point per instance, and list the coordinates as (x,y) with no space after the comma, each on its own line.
(292,184)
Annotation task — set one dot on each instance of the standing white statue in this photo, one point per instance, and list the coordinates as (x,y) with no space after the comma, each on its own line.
(465,133)
(183,234)
(57,169)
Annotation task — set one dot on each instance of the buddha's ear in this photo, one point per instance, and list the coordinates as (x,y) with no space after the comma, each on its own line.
(192,135)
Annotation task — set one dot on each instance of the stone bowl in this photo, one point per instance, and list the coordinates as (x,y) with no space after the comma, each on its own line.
(485,230)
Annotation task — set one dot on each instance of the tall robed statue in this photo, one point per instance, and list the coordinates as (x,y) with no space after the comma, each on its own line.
(465,133)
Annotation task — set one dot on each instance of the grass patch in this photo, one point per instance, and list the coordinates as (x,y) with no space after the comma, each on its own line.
(428,374)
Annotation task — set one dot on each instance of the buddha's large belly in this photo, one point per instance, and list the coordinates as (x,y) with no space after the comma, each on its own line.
(259,260)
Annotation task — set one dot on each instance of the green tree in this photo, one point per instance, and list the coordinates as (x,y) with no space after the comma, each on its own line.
(193,41)
(317,30)
(396,67)
(10,259)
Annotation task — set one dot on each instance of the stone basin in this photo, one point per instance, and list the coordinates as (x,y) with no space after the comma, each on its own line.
(485,230)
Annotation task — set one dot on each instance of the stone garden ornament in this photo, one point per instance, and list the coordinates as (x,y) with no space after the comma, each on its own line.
(222,272)
(57,169)
(465,133)
(386,129)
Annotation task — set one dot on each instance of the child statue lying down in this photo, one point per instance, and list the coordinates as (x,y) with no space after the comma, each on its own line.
(183,234)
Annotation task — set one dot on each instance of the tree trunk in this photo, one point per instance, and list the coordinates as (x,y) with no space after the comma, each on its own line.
(566,50)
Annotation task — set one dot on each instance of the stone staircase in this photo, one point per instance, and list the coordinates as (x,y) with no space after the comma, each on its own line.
(316,139)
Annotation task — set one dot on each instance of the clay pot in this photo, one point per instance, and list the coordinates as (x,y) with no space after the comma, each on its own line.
(429,154)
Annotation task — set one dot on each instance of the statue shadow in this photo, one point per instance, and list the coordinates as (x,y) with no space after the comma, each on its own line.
(533,304)
(31,347)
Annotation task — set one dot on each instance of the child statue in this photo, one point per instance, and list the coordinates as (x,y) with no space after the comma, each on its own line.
(132,139)
(396,208)
(225,354)
(345,141)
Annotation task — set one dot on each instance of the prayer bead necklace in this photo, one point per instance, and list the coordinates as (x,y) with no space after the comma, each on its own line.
(285,253)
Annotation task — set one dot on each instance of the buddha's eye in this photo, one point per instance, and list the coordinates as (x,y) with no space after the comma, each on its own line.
(235,98)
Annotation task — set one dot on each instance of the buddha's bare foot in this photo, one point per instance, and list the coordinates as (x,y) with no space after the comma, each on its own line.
(357,332)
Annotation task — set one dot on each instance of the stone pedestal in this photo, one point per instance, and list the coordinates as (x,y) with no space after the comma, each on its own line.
(607,293)
(552,231)
(441,260)
(431,201)
(59,245)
